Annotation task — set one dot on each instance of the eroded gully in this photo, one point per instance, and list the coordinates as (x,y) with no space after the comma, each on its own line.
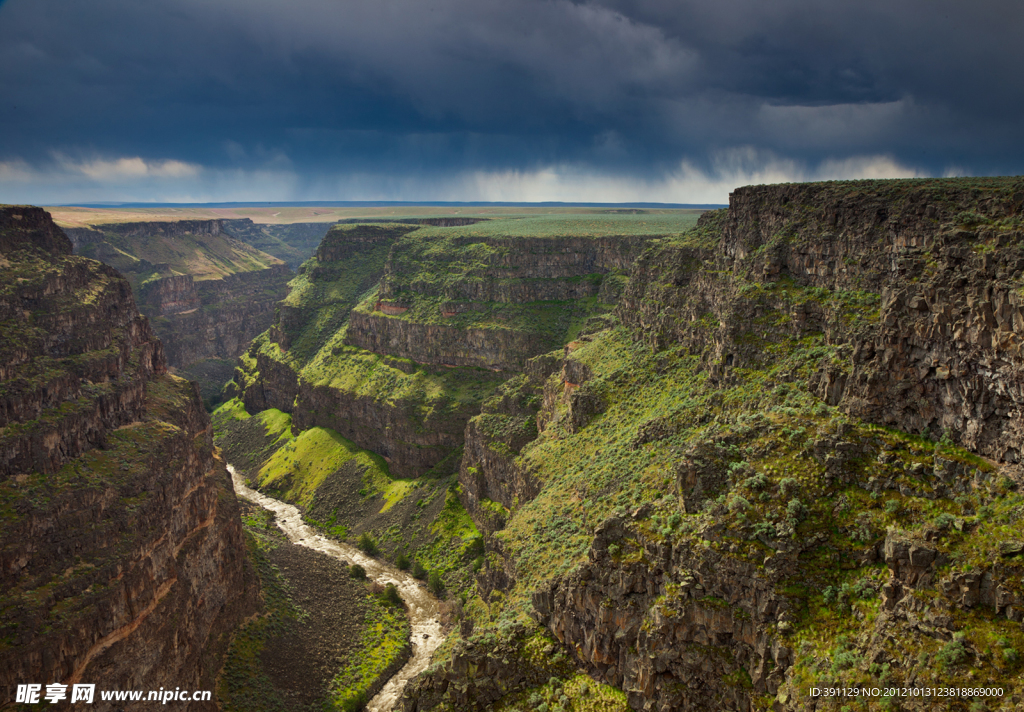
(422,608)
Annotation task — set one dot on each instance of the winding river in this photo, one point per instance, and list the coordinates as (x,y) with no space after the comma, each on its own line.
(422,608)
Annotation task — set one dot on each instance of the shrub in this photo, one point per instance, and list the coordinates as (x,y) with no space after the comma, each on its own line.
(765,529)
(357,572)
(435,584)
(757,482)
(418,571)
(796,510)
(844,660)
(738,504)
(944,520)
(892,506)
(952,652)
(354,704)
(392,596)
(1010,656)
(788,487)
(367,544)
(402,562)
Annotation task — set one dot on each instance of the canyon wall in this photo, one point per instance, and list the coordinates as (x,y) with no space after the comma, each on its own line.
(122,558)
(936,266)
(793,462)
(216,318)
(206,293)
(401,371)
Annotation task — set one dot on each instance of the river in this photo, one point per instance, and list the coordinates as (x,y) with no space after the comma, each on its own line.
(423,609)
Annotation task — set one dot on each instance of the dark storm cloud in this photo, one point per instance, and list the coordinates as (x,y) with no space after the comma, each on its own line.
(412,88)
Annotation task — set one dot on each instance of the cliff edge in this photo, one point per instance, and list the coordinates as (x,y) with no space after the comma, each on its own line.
(121,554)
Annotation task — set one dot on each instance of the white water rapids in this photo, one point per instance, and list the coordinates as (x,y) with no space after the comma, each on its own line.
(421,607)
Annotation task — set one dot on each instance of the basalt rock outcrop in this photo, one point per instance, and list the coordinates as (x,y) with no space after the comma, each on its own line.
(647,617)
(807,426)
(216,318)
(440,313)
(121,555)
(935,265)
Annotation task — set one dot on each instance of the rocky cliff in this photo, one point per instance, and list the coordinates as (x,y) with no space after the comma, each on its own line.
(122,562)
(207,294)
(400,369)
(213,320)
(937,266)
(792,465)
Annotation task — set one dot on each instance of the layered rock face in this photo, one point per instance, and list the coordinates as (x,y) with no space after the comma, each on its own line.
(455,310)
(441,345)
(122,559)
(76,353)
(648,624)
(939,262)
(213,319)
(444,302)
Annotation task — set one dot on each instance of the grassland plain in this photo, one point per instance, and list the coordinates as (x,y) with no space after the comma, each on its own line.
(724,504)
(76,216)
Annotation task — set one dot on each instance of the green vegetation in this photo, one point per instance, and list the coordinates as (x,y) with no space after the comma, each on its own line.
(296,469)
(323,293)
(577,693)
(583,223)
(146,255)
(384,645)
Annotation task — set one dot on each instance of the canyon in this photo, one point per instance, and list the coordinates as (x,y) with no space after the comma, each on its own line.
(207,286)
(643,462)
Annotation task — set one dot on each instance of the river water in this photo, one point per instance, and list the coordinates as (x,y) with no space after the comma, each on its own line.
(422,608)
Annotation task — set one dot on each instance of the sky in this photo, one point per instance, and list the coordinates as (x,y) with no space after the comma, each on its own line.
(507,100)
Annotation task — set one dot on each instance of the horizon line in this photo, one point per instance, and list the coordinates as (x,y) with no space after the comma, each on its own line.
(391,203)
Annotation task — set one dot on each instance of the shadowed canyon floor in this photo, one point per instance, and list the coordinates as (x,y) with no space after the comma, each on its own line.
(423,610)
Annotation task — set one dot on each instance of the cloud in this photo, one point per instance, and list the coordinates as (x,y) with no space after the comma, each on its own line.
(106,171)
(136,180)
(686,184)
(14,171)
(412,96)
(833,125)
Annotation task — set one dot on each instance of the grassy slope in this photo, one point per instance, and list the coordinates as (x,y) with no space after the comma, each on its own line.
(292,467)
(771,422)
(202,256)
